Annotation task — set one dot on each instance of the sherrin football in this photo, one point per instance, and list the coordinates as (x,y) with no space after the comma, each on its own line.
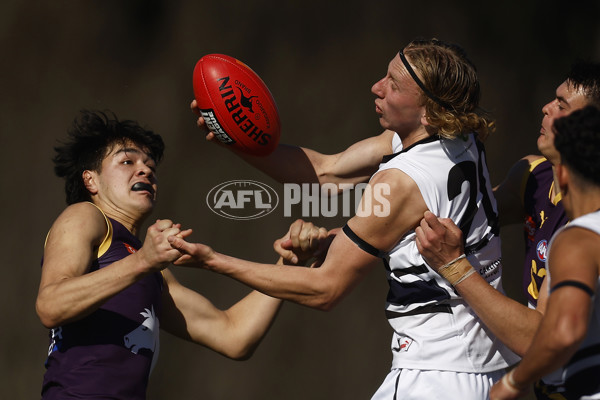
(236,104)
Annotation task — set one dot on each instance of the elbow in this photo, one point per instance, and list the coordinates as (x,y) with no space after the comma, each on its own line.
(243,355)
(327,294)
(49,312)
(325,301)
(242,352)
(323,178)
(47,318)
(324,305)
(570,332)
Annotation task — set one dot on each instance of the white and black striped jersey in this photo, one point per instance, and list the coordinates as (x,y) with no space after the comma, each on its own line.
(433,326)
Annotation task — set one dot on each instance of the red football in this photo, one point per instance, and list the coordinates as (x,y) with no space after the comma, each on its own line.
(236,104)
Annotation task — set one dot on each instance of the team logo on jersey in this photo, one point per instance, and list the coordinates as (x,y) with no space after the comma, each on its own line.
(145,336)
(129,248)
(541,250)
(403,343)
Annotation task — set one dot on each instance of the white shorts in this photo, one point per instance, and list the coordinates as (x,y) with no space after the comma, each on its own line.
(414,384)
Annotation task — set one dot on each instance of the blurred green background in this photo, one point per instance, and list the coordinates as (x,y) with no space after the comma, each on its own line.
(319,59)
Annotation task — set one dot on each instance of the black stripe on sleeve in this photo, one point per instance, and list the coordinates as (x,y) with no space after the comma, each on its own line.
(362,244)
(576,284)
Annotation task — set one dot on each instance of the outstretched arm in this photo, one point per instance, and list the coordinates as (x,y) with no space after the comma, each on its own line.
(440,242)
(235,332)
(346,263)
(294,164)
(321,288)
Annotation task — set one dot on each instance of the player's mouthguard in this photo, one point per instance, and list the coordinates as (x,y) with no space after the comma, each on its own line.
(140,186)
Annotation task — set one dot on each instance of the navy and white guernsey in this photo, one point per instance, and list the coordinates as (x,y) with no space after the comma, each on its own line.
(433,326)
(109,353)
(582,371)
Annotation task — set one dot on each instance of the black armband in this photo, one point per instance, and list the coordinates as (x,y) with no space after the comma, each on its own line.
(576,284)
(363,245)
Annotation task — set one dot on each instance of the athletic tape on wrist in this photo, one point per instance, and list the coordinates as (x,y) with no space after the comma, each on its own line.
(457,270)
(465,276)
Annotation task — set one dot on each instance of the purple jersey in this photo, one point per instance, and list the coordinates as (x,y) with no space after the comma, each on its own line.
(109,353)
(543,216)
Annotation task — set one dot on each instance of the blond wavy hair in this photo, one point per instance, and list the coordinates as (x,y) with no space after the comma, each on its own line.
(451,77)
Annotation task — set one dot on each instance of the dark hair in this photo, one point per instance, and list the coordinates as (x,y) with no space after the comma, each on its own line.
(451,77)
(577,139)
(585,75)
(90,138)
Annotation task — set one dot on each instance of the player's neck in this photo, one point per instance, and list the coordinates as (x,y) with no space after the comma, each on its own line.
(130,219)
(555,187)
(413,137)
(585,201)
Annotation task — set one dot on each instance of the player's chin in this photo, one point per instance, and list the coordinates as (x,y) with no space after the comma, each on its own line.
(383,122)
(147,202)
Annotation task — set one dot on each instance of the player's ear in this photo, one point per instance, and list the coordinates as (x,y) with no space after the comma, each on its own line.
(424,120)
(561,177)
(89,181)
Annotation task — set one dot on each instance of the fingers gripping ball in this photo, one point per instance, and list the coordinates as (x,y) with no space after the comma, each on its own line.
(236,104)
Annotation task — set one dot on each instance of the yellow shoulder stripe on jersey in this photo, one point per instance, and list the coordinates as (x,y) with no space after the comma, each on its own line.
(556,199)
(107,239)
(103,248)
(532,166)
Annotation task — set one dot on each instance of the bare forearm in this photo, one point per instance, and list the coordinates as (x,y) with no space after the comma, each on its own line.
(513,323)
(250,319)
(234,332)
(296,284)
(356,164)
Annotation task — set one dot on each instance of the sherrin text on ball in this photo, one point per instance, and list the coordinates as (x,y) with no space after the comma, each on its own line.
(236,104)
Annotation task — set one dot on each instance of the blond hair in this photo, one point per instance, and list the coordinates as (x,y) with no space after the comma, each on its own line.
(451,88)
